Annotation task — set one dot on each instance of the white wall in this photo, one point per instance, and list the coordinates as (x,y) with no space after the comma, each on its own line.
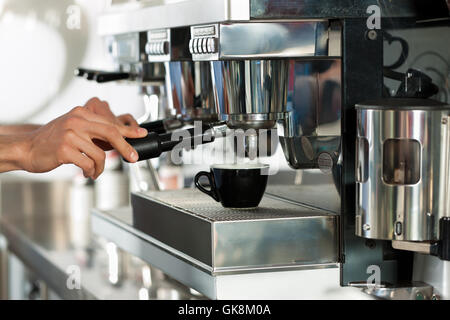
(39,48)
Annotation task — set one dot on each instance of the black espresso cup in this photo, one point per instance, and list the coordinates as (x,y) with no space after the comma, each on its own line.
(234,185)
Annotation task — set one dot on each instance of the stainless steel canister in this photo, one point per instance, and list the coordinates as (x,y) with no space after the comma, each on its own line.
(250,93)
(402,169)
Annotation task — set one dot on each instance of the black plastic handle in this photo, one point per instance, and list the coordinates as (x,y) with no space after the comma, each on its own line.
(89,74)
(212,193)
(148,147)
(101,76)
(154,126)
(154,144)
(82,72)
(444,245)
(441,248)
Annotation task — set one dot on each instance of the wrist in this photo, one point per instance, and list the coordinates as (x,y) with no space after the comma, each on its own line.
(14,152)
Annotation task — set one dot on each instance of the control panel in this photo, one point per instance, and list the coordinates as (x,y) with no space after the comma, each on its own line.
(158,45)
(204,43)
(165,45)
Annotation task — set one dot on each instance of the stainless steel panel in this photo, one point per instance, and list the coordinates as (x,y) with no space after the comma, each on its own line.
(276,234)
(260,40)
(283,39)
(315,191)
(308,240)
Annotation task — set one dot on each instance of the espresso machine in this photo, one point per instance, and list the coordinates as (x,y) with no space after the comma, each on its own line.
(374,219)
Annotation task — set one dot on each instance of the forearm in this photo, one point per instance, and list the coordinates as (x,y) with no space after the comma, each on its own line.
(18,129)
(12,151)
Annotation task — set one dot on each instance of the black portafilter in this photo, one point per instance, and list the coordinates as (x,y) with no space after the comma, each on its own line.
(163,126)
(101,76)
(154,126)
(154,144)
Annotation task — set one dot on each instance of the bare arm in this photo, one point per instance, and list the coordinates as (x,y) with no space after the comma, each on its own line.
(12,150)
(71,138)
(18,129)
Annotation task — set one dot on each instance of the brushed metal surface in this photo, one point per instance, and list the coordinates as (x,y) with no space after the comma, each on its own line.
(276,234)
(409,211)
(313,123)
(190,90)
(264,40)
(250,92)
(321,281)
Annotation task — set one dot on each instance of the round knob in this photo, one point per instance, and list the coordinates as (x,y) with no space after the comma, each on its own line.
(165,47)
(211,45)
(204,45)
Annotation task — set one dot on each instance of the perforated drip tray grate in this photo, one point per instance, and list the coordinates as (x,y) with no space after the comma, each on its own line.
(201,205)
(277,233)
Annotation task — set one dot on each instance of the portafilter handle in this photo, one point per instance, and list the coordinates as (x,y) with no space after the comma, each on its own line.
(101,76)
(154,144)
(163,126)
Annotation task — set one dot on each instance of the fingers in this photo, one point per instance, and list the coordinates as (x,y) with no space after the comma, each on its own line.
(97,105)
(106,132)
(96,154)
(132,131)
(128,120)
(115,138)
(126,131)
(71,155)
(101,108)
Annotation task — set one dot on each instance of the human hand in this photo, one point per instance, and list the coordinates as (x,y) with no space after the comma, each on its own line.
(79,137)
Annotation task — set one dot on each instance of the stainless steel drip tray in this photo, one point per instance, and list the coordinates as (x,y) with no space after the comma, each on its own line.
(277,234)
